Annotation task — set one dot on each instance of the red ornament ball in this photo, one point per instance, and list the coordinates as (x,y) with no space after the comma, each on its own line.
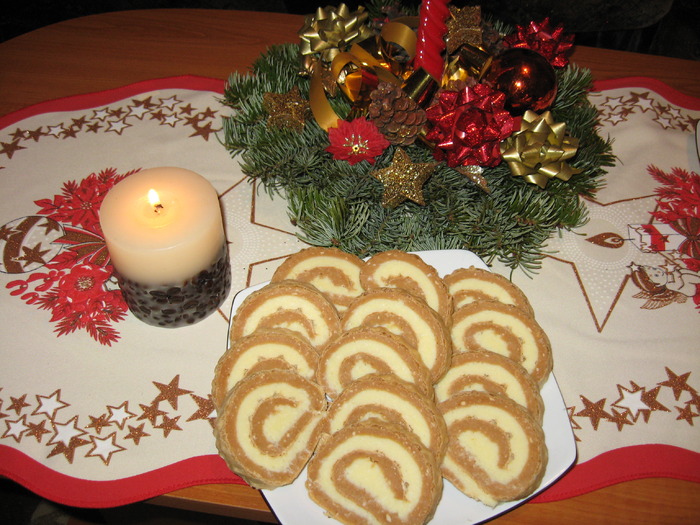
(527,79)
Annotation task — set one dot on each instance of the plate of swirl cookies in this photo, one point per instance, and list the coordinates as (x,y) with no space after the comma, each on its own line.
(406,388)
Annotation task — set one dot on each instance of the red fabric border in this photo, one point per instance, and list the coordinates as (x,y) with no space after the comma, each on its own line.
(77,492)
(625,464)
(669,93)
(609,468)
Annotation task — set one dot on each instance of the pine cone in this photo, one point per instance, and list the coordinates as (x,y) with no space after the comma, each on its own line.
(396,115)
(492,40)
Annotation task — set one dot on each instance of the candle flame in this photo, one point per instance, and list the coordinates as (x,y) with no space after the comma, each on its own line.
(154,200)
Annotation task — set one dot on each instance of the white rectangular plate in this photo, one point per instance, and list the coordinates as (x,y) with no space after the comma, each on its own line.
(292,505)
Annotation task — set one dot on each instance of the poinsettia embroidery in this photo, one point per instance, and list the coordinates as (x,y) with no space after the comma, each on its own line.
(75,283)
(675,233)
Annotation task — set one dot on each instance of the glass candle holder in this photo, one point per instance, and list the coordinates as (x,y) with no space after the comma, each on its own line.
(180,304)
(164,231)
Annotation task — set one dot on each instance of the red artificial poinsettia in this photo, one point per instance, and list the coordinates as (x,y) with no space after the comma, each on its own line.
(549,41)
(356,141)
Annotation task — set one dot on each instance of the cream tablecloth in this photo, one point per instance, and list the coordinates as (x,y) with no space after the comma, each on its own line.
(99,409)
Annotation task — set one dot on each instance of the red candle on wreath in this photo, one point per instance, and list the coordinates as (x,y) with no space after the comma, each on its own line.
(431,37)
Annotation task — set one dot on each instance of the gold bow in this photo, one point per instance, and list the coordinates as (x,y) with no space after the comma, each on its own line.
(539,151)
(332,30)
(359,70)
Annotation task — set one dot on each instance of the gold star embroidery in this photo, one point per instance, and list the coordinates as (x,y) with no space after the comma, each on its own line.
(18,134)
(34,135)
(206,407)
(203,131)
(157,115)
(136,433)
(620,418)
(119,415)
(170,392)
(49,405)
(37,430)
(403,179)
(9,149)
(104,448)
(208,113)
(168,425)
(678,383)
(150,412)
(649,399)
(594,411)
(98,423)
(68,450)
(65,432)
(78,123)
(16,428)
(286,110)
(686,412)
(694,399)
(18,404)
(630,400)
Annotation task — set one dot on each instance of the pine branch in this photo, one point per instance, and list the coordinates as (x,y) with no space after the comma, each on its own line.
(336,204)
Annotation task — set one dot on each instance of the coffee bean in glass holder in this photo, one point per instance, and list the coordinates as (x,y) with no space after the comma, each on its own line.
(180,304)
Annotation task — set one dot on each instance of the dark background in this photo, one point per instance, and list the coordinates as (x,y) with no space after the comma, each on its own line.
(661,27)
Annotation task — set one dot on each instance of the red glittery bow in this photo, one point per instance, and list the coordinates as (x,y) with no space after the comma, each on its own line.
(468,126)
(547,40)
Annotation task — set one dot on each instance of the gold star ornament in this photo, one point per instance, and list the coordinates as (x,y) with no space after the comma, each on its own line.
(403,179)
(286,110)
(463,27)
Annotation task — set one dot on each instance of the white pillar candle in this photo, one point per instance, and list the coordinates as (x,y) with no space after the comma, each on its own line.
(167,242)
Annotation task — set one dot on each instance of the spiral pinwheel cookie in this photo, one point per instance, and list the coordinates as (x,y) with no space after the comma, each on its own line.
(494,373)
(333,272)
(368,350)
(287,304)
(374,473)
(264,349)
(397,269)
(387,398)
(496,450)
(467,285)
(269,425)
(408,316)
(506,330)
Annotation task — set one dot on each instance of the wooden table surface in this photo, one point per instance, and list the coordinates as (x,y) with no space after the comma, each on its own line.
(110,50)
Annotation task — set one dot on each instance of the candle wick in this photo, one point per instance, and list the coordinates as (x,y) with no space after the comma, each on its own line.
(157,207)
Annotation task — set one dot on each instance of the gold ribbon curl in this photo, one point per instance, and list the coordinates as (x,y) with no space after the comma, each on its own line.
(539,151)
(359,70)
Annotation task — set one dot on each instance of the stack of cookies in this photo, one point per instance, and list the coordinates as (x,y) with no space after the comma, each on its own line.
(382,378)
